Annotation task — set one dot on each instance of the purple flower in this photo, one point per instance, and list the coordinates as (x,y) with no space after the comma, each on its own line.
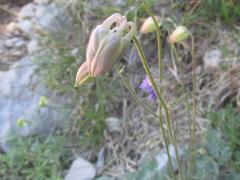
(146,86)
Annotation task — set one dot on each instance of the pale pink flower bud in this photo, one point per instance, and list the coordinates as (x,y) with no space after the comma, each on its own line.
(106,45)
(149,26)
(179,34)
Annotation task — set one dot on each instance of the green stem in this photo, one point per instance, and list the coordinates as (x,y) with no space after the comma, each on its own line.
(174,143)
(161,101)
(132,92)
(159,42)
(182,82)
(171,171)
(147,69)
(193,106)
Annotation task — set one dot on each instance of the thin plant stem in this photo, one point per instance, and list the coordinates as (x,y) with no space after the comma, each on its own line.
(171,171)
(187,104)
(159,42)
(132,92)
(147,69)
(193,136)
(160,99)
(173,142)
(194,92)
(183,87)
(172,133)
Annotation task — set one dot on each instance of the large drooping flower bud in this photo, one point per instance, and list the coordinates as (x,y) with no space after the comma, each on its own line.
(106,45)
(149,26)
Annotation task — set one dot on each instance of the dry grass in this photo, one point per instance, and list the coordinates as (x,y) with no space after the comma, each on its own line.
(141,137)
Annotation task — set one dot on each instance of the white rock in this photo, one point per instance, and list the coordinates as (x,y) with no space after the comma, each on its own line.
(20,91)
(26,26)
(212,59)
(41,1)
(27,11)
(20,43)
(32,46)
(113,125)
(11,42)
(162,158)
(40,11)
(49,15)
(11,27)
(74,52)
(81,170)
(2,46)
(101,157)
(17,53)
(53,18)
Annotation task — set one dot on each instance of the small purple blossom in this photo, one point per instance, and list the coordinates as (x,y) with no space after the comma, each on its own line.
(146,86)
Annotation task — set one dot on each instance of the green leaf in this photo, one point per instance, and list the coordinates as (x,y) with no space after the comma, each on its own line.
(205,168)
(147,171)
(217,147)
(176,101)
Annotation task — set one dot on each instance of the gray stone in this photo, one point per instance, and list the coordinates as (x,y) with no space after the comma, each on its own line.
(27,11)
(81,170)
(162,158)
(20,43)
(20,93)
(2,46)
(51,19)
(40,11)
(104,178)
(32,46)
(54,20)
(41,1)
(11,27)
(17,53)
(11,42)
(113,125)
(74,52)
(50,14)
(26,26)
(212,59)
(100,159)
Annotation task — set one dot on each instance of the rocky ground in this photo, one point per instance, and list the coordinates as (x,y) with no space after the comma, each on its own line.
(12,42)
(20,87)
(21,22)
(24,110)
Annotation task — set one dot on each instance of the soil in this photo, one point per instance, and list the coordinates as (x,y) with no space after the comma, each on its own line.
(8,11)
(15,2)
(7,7)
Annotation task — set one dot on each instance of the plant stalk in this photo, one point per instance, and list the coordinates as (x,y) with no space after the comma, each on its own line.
(159,42)
(161,102)
(132,92)
(194,81)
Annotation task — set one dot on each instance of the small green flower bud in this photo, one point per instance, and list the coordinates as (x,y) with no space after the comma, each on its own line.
(42,102)
(179,34)
(149,26)
(21,122)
